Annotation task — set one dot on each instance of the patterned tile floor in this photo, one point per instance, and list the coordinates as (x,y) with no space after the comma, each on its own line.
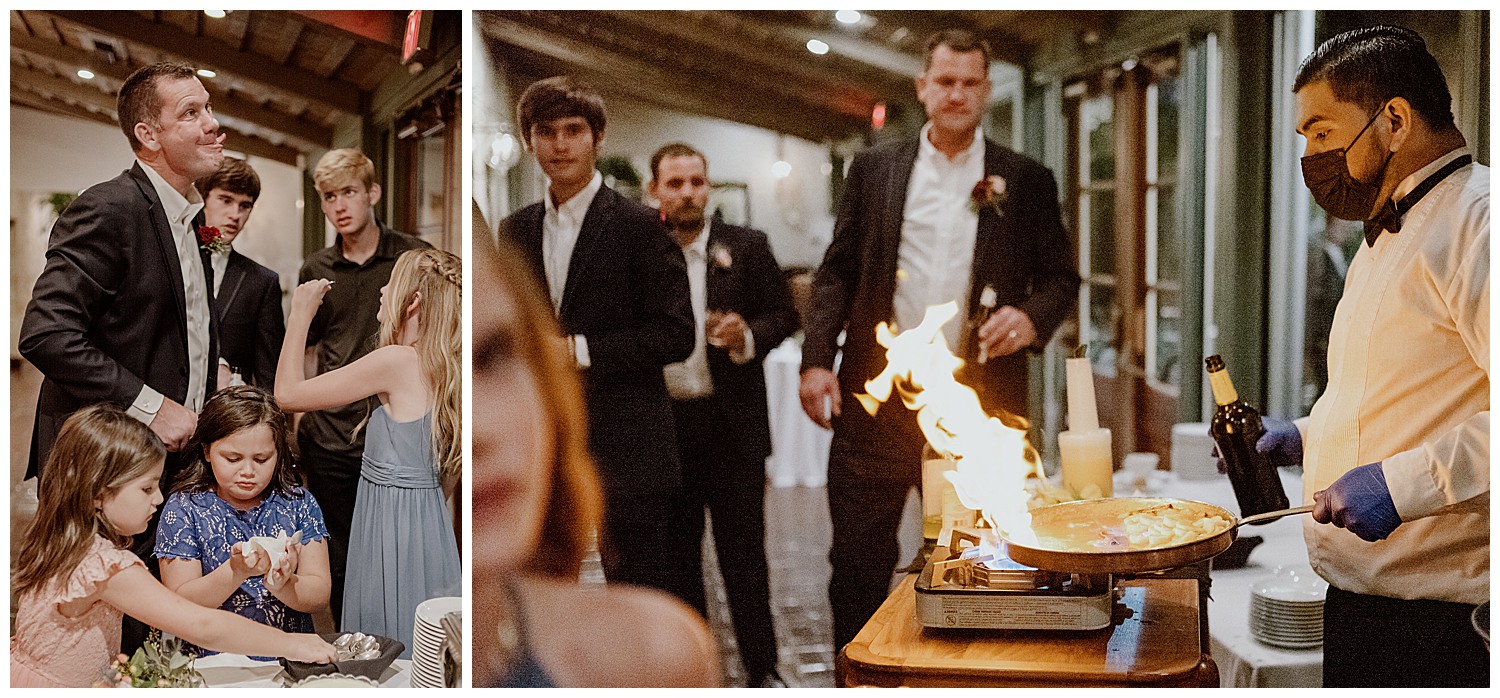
(797,532)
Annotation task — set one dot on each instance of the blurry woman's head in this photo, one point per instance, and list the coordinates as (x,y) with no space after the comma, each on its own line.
(99,480)
(422,306)
(532,472)
(242,449)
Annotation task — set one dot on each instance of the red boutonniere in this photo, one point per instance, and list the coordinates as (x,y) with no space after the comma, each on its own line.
(209,238)
(988,193)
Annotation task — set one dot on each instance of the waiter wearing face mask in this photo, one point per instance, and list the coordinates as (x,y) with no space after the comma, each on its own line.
(1396,452)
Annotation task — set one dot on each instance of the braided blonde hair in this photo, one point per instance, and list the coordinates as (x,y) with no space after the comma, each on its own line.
(438,277)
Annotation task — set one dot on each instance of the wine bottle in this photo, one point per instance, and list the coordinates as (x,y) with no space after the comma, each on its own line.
(1235,429)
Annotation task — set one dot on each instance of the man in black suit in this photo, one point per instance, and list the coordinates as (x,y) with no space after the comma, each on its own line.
(742,310)
(121,312)
(619,288)
(920,223)
(247,296)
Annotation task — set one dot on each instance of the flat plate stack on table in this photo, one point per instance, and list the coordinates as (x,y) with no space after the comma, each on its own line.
(1286,609)
(427,641)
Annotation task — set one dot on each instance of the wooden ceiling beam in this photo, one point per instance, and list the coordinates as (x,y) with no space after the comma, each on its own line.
(250,67)
(634,77)
(790,62)
(91,100)
(380,29)
(311,136)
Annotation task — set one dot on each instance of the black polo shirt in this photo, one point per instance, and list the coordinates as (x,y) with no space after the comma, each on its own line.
(346,328)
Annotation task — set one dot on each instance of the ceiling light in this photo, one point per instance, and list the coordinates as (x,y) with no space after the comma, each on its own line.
(817,47)
(216,14)
(781,169)
(86,74)
(847,16)
(205,72)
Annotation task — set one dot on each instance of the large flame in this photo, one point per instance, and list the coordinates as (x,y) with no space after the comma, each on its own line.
(993,459)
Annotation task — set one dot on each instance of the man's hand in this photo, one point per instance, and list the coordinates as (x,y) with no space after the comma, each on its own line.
(174,425)
(226,376)
(1008,331)
(820,387)
(1359,501)
(1281,443)
(726,331)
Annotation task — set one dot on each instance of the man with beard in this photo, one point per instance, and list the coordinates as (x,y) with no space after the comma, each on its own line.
(1396,452)
(742,310)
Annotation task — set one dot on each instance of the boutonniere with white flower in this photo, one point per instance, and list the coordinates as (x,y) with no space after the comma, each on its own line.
(988,193)
(721,257)
(211,239)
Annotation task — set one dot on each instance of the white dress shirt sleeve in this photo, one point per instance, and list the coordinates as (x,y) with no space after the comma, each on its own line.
(146,405)
(1454,467)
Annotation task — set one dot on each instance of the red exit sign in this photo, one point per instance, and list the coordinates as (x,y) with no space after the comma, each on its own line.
(418,32)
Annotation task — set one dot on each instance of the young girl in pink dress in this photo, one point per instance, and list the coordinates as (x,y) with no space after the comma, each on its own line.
(75,575)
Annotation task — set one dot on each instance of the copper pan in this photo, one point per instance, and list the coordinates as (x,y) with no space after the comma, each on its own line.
(1096,513)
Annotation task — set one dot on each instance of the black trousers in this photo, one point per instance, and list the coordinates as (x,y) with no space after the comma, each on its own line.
(333,480)
(1377,641)
(633,548)
(731,486)
(873,465)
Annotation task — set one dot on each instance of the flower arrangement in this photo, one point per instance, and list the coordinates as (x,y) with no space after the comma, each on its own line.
(987,193)
(211,239)
(157,664)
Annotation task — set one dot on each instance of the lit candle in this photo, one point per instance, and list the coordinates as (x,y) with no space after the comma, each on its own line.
(1087,464)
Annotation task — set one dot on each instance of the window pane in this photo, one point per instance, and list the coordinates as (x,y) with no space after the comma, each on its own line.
(1168,337)
(1098,128)
(1168,112)
(1103,344)
(1101,232)
(1329,251)
(1168,236)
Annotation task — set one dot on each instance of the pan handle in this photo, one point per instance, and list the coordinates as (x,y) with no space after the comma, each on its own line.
(1274,515)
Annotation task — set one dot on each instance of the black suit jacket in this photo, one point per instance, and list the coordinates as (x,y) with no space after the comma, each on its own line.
(753,286)
(1023,254)
(627,294)
(108,314)
(250,323)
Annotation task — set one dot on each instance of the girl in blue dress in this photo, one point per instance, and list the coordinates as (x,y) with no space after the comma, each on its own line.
(402,545)
(242,484)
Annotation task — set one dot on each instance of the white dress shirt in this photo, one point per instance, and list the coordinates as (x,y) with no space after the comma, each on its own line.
(1409,387)
(561,226)
(220,263)
(180,211)
(936,257)
(690,379)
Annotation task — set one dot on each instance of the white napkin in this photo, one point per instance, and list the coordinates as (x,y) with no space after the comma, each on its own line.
(274,548)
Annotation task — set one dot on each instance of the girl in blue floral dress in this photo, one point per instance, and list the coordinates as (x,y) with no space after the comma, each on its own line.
(242,485)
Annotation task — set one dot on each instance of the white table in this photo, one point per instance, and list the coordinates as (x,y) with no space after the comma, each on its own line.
(1243,660)
(799,448)
(240,671)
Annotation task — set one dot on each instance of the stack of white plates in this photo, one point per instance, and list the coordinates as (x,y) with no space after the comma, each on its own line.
(1286,609)
(1192,452)
(427,641)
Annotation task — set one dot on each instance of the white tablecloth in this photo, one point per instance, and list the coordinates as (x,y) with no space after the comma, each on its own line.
(1243,660)
(239,671)
(799,448)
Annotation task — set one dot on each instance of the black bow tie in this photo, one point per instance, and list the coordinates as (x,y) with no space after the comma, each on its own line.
(1390,215)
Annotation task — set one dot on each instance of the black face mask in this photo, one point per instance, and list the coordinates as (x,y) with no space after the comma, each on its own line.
(1335,189)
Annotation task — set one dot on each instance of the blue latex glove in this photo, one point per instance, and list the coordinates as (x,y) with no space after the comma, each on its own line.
(1281,442)
(1359,501)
